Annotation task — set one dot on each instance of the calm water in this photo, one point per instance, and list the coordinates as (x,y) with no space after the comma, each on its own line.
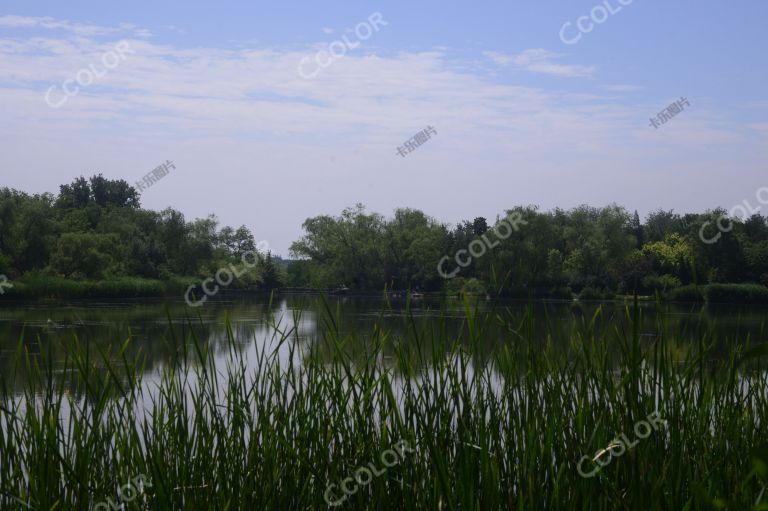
(157,327)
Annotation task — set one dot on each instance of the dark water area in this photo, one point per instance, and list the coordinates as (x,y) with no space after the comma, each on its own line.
(156,328)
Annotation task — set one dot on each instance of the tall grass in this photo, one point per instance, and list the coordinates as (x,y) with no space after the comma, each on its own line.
(721,293)
(498,429)
(45,286)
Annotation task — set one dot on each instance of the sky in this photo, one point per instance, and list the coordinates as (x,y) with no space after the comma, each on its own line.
(540,102)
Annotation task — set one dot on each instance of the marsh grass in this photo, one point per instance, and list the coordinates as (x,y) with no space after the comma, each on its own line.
(492,429)
(36,285)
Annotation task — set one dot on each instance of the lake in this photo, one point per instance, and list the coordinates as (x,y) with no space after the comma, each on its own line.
(250,403)
(152,326)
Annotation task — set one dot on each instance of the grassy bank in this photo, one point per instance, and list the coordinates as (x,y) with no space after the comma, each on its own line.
(721,293)
(34,286)
(710,293)
(512,428)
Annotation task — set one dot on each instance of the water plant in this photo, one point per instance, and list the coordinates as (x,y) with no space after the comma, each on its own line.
(270,425)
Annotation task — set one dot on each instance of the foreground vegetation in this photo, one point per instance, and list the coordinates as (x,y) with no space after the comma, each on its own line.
(273,425)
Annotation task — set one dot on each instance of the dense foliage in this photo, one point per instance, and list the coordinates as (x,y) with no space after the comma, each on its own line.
(594,252)
(95,230)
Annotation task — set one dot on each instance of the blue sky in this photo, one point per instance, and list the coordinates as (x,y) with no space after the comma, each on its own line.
(521,116)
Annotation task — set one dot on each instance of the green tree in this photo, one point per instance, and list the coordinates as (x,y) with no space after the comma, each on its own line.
(344,250)
(271,275)
(412,244)
(74,195)
(113,193)
(83,254)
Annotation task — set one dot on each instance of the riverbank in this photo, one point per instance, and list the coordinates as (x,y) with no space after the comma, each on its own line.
(124,287)
(37,287)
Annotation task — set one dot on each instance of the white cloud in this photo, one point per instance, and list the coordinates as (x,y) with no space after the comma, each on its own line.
(622,88)
(327,30)
(247,133)
(538,60)
(81,29)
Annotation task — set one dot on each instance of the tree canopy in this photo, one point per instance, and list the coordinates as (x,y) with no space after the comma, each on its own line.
(586,247)
(96,229)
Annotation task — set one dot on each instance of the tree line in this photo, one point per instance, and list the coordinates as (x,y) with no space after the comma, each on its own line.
(587,250)
(95,229)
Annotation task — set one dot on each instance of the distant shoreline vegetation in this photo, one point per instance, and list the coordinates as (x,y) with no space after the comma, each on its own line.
(94,240)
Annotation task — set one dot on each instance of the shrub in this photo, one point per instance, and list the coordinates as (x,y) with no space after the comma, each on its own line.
(720,293)
(687,294)
(591,293)
(37,285)
(462,286)
(562,293)
(737,293)
(662,284)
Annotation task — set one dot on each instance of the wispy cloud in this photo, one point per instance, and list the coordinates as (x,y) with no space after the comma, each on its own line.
(622,88)
(81,29)
(377,96)
(246,116)
(539,60)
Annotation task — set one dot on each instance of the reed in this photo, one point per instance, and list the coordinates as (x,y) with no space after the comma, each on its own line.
(490,429)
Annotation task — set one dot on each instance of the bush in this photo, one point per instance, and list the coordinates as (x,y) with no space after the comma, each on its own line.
(662,284)
(720,293)
(562,293)
(39,285)
(537,293)
(737,293)
(462,286)
(687,294)
(591,293)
